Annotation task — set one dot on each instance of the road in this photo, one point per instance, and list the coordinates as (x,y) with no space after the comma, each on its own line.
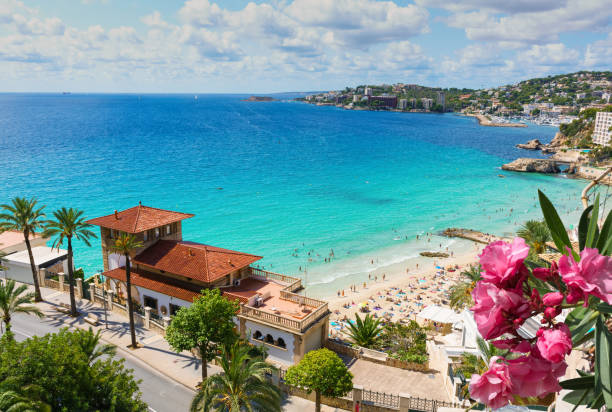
(161,393)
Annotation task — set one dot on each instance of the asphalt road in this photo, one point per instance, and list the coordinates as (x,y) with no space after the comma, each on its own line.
(161,393)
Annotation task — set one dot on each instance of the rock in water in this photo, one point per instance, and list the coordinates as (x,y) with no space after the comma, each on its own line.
(532,165)
(434,254)
(533,144)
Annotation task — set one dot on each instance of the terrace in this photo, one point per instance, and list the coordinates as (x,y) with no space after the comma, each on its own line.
(269,297)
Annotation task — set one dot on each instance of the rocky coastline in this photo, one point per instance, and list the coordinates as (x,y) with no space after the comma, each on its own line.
(485,121)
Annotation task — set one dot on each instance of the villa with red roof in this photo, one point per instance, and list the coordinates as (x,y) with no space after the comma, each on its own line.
(168,273)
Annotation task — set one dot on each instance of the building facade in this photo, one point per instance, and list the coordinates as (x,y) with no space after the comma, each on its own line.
(601,132)
(168,273)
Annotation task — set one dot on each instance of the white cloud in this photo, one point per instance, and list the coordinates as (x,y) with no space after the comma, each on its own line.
(501,6)
(598,55)
(554,54)
(154,20)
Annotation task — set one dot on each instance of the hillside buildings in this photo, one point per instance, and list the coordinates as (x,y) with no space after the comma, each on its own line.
(601,132)
(168,273)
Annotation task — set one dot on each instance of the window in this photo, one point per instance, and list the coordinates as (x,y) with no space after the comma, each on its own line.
(156,232)
(150,302)
(281,343)
(112,234)
(145,235)
(174,309)
(257,335)
(168,229)
(269,339)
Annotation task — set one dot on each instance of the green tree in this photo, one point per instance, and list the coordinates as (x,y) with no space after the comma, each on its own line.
(13,299)
(241,386)
(24,216)
(536,234)
(126,245)
(461,292)
(57,364)
(365,332)
(21,399)
(323,372)
(206,325)
(68,224)
(91,346)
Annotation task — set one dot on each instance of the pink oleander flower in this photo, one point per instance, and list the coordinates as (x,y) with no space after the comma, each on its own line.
(513,344)
(591,276)
(497,311)
(502,261)
(494,387)
(553,344)
(547,273)
(533,376)
(553,298)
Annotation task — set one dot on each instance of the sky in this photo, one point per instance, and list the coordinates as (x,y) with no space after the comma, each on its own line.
(239,46)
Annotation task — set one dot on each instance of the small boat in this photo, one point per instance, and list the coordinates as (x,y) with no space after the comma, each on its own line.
(502,176)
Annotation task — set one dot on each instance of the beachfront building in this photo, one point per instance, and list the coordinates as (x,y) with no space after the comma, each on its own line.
(441,100)
(48,261)
(13,241)
(601,132)
(427,103)
(403,104)
(168,273)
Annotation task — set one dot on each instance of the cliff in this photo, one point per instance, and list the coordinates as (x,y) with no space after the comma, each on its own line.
(259,99)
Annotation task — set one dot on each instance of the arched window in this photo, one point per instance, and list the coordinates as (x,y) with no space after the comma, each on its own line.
(269,339)
(281,343)
(257,335)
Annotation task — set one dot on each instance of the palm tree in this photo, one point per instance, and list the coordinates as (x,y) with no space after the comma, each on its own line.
(25,399)
(241,386)
(14,300)
(536,234)
(126,245)
(69,223)
(91,346)
(24,216)
(365,332)
(461,292)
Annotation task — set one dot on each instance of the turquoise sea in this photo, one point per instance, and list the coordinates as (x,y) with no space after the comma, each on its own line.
(285,180)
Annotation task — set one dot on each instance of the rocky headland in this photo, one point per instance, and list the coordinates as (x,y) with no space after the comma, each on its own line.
(259,99)
(525,164)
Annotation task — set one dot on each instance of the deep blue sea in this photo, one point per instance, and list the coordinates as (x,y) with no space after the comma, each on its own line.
(286,180)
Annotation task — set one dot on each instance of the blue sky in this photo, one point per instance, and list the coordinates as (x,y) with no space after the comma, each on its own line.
(207,46)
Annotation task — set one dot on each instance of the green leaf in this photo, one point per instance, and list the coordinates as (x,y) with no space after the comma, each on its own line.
(579,397)
(603,307)
(579,383)
(557,230)
(606,233)
(593,228)
(583,226)
(580,321)
(603,360)
(607,247)
(597,402)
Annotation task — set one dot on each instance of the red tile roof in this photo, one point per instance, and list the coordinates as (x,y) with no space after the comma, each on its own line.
(158,283)
(194,260)
(138,219)
(166,285)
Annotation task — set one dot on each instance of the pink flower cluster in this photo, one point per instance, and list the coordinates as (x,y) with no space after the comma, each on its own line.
(502,303)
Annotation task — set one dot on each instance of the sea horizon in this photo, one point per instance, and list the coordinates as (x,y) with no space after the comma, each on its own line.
(284,180)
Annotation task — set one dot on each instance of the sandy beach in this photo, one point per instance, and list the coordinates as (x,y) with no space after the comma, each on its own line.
(398,293)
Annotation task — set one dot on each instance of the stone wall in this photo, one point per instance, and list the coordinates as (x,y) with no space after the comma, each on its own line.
(383,359)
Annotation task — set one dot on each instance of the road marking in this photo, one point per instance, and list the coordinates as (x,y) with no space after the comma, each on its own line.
(151,409)
(21,333)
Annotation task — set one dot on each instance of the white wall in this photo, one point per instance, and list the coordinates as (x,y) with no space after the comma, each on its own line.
(275,353)
(313,340)
(18,272)
(162,300)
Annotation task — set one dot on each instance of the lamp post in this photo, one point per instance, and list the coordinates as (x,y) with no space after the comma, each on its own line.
(105,312)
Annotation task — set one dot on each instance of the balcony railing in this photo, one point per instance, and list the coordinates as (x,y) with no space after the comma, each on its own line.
(293,284)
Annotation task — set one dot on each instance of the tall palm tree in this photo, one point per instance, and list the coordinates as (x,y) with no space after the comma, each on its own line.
(242,386)
(461,292)
(126,245)
(536,234)
(365,332)
(26,399)
(69,223)
(24,216)
(14,300)
(91,346)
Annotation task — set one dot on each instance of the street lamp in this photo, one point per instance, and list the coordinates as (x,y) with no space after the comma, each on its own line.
(105,311)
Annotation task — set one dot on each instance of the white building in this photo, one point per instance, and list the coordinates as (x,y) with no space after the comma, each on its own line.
(403,104)
(368,91)
(12,241)
(47,260)
(356,98)
(601,133)
(427,103)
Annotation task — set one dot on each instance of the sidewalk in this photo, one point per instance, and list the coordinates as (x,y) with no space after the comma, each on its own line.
(182,367)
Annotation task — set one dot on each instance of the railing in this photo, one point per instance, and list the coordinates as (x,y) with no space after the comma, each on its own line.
(300,300)
(381,399)
(270,317)
(293,283)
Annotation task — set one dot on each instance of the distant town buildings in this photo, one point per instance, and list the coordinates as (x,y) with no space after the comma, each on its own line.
(440,99)
(427,103)
(403,104)
(389,102)
(368,91)
(601,133)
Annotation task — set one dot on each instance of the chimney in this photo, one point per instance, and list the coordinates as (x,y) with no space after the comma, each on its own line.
(139,203)
(116,215)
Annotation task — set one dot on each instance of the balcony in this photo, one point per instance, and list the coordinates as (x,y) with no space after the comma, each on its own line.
(278,304)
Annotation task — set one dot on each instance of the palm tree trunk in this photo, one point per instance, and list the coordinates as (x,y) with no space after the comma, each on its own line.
(37,295)
(7,324)
(204,363)
(129,300)
(73,310)
(317,401)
